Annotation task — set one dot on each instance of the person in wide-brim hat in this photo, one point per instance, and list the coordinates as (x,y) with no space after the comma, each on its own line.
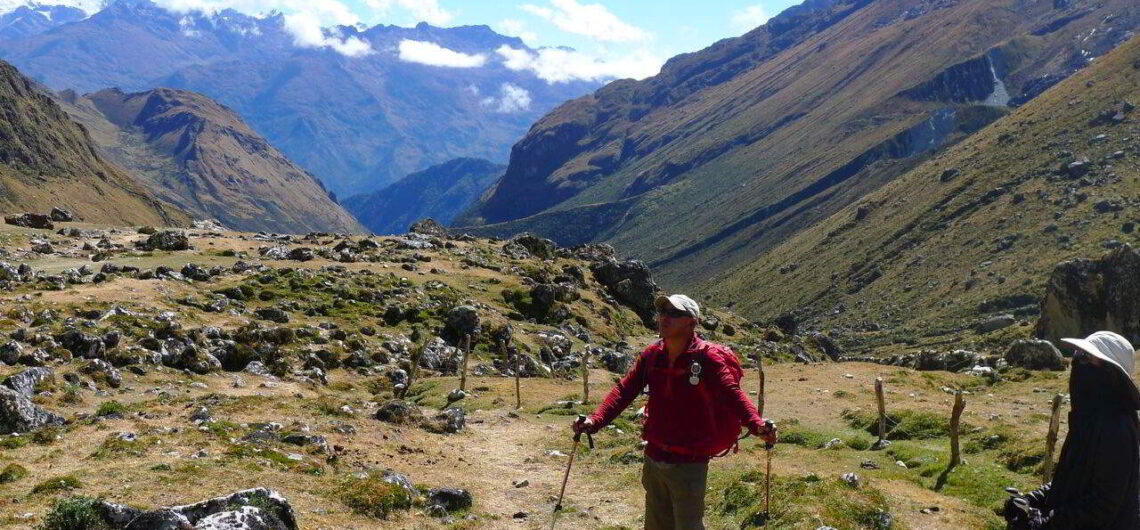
(1097,479)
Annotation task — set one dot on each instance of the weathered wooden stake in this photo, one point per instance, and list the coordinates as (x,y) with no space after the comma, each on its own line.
(882,408)
(1051,439)
(518,378)
(760,392)
(955,421)
(463,368)
(586,376)
(416,356)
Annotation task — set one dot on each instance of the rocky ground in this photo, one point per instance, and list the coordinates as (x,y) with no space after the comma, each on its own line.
(161,377)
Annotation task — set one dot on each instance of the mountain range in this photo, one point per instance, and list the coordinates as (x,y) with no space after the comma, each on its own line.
(440,192)
(358,120)
(200,156)
(707,167)
(49,161)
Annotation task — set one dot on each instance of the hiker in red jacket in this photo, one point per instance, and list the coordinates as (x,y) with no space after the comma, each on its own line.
(695,411)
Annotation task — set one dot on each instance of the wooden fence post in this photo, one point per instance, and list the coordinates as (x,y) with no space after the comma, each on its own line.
(955,422)
(518,378)
(463,368)
(882,401)
(1051,439)
(586,376)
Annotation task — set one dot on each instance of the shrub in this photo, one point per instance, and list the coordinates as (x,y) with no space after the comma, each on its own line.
(371,495)
(12,473)
(74,513)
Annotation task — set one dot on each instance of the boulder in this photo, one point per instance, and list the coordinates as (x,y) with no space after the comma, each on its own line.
(826,345)
(631,284)
(301,254)
(954,361)
(463,320)
(616,362)
(428,227)
(400,412)
(275,509)
(449,421)
(26,382)
(61,215)
(169,240)
(451,499)
(995,323)
(30,220)
(244,518)
(1035,355)
(82,344)
(1085,295)
(102,371)
(18,414)
(538,247)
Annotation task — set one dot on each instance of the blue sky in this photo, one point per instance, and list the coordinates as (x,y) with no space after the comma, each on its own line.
(612,38)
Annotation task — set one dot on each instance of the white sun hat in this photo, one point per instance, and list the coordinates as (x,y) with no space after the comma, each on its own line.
(1114,350)
(679,302)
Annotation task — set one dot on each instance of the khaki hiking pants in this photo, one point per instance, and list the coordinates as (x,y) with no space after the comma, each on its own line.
(674,495)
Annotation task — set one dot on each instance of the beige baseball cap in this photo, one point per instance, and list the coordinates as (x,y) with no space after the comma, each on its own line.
(679,302)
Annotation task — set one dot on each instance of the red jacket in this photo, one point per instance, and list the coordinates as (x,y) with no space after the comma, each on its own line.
(679,414)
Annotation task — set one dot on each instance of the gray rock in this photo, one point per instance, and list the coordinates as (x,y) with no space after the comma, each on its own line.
(995,323)
(101,370)
(449,421)
(82,344)
(1035,355)
(1083,296)
(19,414)
(169,240)
(538,247)
(851,479)
(11,352)
(463,320)
(630,283)
(301,254)
(399,412)
(61,215)
(274,507)
(160,520)
(451,499)
(428,227)
(30,220)
(616,362)
(25,382)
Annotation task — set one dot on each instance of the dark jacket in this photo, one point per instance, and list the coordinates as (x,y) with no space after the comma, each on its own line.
(1097,481)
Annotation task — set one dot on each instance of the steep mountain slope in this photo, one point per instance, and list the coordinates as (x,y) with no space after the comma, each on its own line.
(47,160)
(199,155)
(29,20)
(439,192)
(974,231)
(358,123)
(736,147)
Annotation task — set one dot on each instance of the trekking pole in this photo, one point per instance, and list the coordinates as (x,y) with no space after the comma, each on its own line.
(768,447)
(566,477)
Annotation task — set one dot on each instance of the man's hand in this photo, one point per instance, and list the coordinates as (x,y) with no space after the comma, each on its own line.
(585,426)
(767,432)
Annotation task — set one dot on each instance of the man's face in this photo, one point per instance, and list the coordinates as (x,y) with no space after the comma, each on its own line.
(672,322)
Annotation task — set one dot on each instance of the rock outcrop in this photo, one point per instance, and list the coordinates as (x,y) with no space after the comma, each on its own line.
(1086,295)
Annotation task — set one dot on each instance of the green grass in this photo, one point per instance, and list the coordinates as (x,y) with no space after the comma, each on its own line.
(901,424)
(108,408)
(372,496)
(57,484)
(12,473)
(737,500)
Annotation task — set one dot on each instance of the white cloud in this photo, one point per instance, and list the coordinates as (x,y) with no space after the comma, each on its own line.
(88,6)
(591,20)
(558,65)
(749,18)
(432,54)
(512,98)
(516,28)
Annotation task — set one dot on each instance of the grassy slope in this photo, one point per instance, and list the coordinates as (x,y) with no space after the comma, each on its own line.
(842,80)
(46,160)
(936,244)
(200,155)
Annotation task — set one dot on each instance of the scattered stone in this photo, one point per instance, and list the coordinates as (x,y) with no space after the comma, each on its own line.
(449,421)
(450,499)
(630,283)
(400,412)
(463,320)
(428,227)
(26,382)
(103,372)
(995,323)
(851,479)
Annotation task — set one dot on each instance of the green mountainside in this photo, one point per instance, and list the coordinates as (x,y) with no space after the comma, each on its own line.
(440,192)
(974,231)
(733,149)
(48,161)
(197,154)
